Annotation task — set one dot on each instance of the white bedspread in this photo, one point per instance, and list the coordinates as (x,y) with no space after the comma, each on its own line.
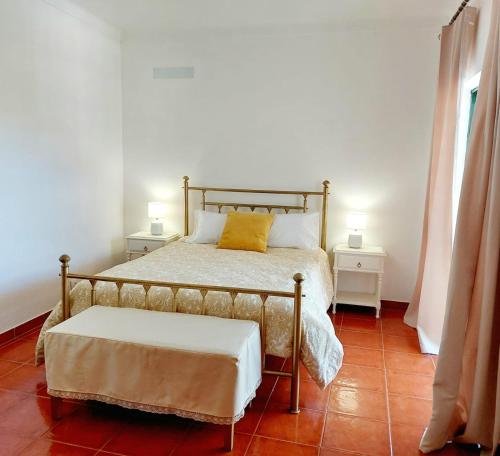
(321,351)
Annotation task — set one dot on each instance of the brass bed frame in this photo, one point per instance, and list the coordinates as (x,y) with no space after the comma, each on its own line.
(252,206)
(298,278)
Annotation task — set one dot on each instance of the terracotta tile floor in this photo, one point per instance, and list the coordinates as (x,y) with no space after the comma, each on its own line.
(379,404)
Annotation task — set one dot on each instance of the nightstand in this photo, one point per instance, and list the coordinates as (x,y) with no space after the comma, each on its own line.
(144,242)
(368,260)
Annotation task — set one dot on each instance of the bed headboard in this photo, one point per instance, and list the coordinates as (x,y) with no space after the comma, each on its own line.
(287,208)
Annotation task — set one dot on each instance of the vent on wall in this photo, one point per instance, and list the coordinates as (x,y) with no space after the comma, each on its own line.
(173,73)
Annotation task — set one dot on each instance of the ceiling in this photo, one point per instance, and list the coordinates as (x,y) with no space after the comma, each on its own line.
(140,15)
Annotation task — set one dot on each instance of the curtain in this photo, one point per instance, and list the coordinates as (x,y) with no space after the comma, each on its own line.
(466,399)
(427,307)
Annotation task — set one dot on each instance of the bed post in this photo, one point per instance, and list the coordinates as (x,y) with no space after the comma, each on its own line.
(324,214)
(64,259)
(186,205)
(297,334)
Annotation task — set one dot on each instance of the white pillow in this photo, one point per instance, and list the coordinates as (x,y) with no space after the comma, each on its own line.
(300,231)
(208,227)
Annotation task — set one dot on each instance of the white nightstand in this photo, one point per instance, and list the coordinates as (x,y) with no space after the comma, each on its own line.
(368,259)
(144,242)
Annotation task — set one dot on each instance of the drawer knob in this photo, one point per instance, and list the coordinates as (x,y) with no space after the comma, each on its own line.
(145,248)
(358,265)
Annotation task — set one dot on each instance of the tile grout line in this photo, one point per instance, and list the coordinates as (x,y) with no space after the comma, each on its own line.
(293,442)
(263,411)
(373,331)
(382,349)
(273,389)
(101,448)
(331,387)
(389,420)
(326,417)
(181,441)
(66,443)
(27,445)
(248,444)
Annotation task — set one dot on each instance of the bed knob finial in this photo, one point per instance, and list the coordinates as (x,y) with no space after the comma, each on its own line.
(326,183)
(186,178)
(298,277)
(64,259)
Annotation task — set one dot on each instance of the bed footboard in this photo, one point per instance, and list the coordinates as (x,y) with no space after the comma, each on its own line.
(233,292)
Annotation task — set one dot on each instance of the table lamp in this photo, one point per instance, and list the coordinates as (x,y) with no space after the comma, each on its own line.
(156,211)
(356,221)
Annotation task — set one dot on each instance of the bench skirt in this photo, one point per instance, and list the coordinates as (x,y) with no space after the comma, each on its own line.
(199,367)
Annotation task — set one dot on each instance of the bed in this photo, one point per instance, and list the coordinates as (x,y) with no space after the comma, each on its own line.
(199,278)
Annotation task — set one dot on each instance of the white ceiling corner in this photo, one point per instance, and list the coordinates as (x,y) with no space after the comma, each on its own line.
(166,15)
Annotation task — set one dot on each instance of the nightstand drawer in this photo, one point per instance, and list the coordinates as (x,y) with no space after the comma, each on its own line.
(144,245)
(360,262)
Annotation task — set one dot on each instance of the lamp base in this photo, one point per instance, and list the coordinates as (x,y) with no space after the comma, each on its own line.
(156,228)
(355,241)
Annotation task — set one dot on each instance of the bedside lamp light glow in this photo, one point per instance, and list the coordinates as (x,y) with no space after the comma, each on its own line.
(356,221)
(156,211)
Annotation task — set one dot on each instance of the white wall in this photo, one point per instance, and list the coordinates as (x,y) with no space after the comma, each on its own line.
(61,164)
(483,28)
(287,108)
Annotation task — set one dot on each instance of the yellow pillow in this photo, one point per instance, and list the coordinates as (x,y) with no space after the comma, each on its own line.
(246,231)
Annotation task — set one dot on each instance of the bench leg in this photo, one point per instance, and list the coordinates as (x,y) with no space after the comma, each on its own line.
(55,407)
(229,437)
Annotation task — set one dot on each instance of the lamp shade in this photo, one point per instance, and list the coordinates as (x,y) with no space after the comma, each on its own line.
(356,220)
(157,210)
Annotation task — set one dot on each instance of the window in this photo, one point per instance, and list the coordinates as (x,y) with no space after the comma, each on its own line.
(466,112)
(472,108)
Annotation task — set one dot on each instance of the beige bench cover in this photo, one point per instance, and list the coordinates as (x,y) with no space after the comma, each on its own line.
(199,367)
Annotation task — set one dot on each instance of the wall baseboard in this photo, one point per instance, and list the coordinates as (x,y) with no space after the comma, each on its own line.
(385,304)
(23,328)
(394,304)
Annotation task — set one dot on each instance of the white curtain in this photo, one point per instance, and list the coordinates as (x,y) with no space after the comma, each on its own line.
(466,395)
(427,307)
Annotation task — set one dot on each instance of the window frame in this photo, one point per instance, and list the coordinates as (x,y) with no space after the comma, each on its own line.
(470,86)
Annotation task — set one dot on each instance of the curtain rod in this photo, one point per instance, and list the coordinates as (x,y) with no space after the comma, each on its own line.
(459,10)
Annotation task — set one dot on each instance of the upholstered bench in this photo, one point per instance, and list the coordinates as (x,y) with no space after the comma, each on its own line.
(199,367)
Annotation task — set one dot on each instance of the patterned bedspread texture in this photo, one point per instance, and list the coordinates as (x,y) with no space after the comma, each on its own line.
(204,264)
